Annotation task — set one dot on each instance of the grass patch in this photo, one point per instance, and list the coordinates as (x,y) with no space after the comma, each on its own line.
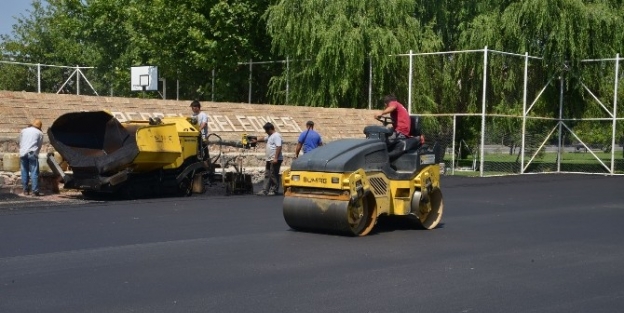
(501,164)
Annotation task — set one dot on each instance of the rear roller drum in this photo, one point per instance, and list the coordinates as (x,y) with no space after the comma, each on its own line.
(428,208)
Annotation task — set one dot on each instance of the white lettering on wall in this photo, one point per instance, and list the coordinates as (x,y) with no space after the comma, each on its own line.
(224,123)
(290,126)
(232,125)
(120,116)
(277,122)
(244,122)
(212,126)
(257,125)
(131,116)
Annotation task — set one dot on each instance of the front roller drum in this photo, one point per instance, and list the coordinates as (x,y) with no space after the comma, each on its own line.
(354,218)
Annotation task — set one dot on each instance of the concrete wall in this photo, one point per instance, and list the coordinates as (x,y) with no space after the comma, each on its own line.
(228,120)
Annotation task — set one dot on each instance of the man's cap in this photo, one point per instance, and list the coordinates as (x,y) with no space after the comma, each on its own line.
(36,123)
(195,104)
(268,126)
(309,123)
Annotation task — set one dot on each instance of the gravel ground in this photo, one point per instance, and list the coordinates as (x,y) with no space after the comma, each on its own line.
(12,199)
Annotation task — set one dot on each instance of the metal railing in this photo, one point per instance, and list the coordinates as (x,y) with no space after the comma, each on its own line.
(77,73)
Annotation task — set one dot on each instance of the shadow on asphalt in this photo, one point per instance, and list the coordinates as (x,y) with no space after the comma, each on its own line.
(385,224)
(391,223)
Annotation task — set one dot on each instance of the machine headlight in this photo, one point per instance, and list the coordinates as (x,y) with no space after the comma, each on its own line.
(335,180)
(295,178)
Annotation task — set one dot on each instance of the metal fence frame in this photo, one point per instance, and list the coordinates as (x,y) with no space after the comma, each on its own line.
(561,121)
(77,72)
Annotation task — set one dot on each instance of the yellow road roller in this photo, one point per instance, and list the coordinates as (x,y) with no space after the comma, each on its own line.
(133,159)
(344,186)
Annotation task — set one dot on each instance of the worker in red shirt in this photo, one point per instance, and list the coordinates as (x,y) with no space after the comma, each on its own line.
(399,115)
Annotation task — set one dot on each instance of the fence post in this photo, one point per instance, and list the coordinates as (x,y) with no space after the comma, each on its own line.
(77,80)
(370,82)
(38,77)
(615,97)
(250,77)
(409,82)
(287,78)
(453,144)
(524,112)
(559,147)
(483,108)
(164,80)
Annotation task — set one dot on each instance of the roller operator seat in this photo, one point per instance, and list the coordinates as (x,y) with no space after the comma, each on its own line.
(400,146)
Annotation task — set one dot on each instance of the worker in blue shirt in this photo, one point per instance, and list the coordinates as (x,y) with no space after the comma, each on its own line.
(308,139)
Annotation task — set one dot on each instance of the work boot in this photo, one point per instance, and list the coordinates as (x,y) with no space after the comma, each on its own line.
(37,193)
(261,193)
(270,193)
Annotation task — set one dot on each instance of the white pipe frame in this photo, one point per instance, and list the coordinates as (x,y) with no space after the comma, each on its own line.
(524,110)
(409,82)
(615,98)
(483,108)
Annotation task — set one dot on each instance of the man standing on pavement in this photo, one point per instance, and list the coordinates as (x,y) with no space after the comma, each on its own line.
(308,139)
(202,119)
(274,160)
(30,141)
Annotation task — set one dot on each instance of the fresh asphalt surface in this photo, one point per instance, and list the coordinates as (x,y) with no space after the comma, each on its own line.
(534,243)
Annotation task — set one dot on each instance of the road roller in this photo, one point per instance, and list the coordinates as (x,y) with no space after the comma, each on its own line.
(344,186)
(133,159)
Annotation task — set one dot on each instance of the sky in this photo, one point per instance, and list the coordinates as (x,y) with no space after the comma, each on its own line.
(9,10)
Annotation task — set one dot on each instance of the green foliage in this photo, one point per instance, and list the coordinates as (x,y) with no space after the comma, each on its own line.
(562,32)
(186,39)
(332,42)
(36,41)
(330,46)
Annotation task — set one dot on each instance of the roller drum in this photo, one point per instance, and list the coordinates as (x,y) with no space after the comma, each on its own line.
(313,214)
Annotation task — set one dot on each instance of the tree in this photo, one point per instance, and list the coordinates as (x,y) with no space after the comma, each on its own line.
(331,43)
(186,39)
(51,34)
(563,33)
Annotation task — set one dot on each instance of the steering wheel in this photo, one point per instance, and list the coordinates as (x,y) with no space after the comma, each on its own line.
(385,120)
